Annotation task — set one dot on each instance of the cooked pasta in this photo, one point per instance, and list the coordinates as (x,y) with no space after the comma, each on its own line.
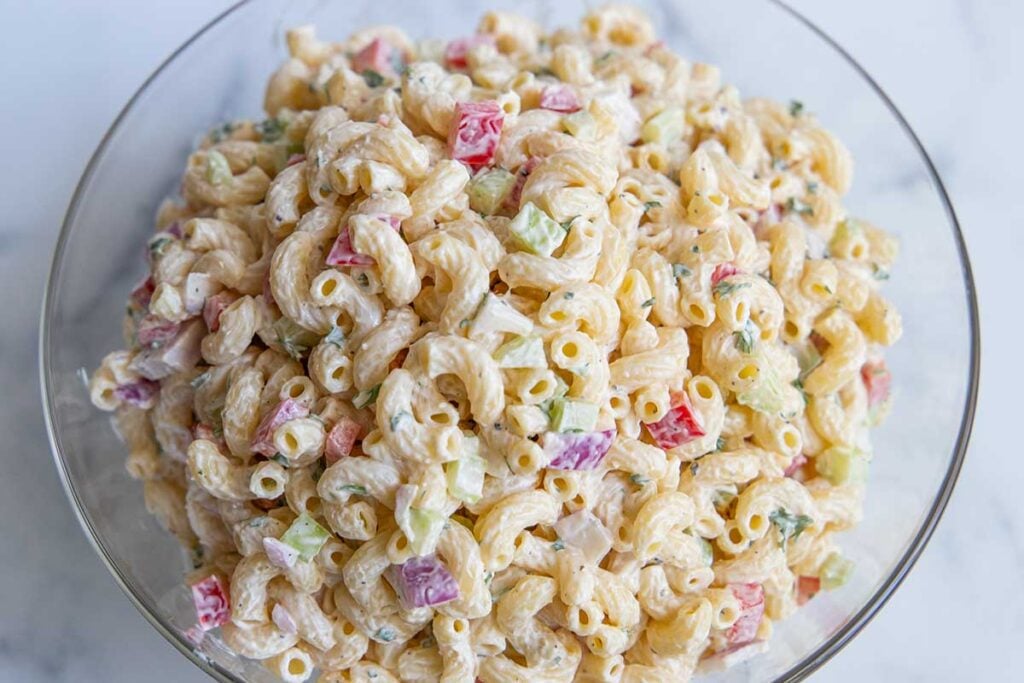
(532,356)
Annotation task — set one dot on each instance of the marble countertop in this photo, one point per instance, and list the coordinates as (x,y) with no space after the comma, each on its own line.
(953,68)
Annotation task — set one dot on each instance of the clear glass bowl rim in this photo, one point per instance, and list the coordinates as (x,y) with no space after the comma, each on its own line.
(799,671)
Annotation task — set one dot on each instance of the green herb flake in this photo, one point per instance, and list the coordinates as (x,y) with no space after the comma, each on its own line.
(639,479)
(372,78)
(271,130)
(199,380)
(558,545)
(695,249)
(568,296)
(812,187)
(648,303)
(384,635)
(744,339)
(680,271)
(157,247)
(789,525)
(796,107)
(720,444)
(651,205)
(279,459)
(794,205)
(694,468)
(365,398)
(878,272)
(354,489)
(396,420)
(335,337)
(567,225)
(604,58)
(725,288)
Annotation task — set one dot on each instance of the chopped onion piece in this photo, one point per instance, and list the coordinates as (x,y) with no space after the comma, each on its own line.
(585,531)
(280,553)
(423,582)
(577,451)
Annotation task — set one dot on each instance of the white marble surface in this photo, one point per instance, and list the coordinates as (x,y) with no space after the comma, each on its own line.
(952,67)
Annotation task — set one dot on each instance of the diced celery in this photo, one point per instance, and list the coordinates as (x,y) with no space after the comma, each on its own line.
(846,230)
(495,315)
(765,394)
(488,190)
(580,125)
(218,171)
(522,352)
(835,571)
(664,127)
(424,530)
(569,415)
(294,339)
(535,231)
(306,536)
(466,477)
(842,465)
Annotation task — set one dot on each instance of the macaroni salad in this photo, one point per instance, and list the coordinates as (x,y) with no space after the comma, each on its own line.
(522,357)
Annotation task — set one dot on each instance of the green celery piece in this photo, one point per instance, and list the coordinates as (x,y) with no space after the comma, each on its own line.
(522,352)
(765,394)
(535,231)
(218,171)
(835,571)
(495,315)
(842,465)
(306,536)
(570,415)
(846,229)
(580,125)
(294,339)
(466,477)
(425,527)
(664,127)
(488,190)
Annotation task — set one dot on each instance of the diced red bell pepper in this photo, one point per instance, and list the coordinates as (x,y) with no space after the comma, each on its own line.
(213,607)
(341,439)
(475,132)
(806,588)
(457,50)
(794,466)
(680,425)
(560,98)
(214,306)
(378,56)
(289,409)
(140,393)
(142,294)
(878,382)
(154,331)
(722,271)
(343,254)
(751,599)
(517,190)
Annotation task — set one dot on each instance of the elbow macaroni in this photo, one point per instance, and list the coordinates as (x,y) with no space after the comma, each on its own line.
(387,352)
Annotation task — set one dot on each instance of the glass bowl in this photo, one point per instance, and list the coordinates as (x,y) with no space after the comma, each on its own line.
(763,47)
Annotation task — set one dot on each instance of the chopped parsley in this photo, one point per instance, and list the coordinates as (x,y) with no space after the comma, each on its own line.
(725,288)
(566,225)
(157,247)
(396,420)
(372,78)
(271,130)
(568,296)
(279,459)
(558,545)
(648,303)
(745,338)
(355,489)
(796,107)
(812,187)
(199,380)
(789,525)
(651,205)
(384,635)
(679,270)
(365,398)
(639,479)
(794,205)
(604,58)
(720,444)
(878,272)
(336,337)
